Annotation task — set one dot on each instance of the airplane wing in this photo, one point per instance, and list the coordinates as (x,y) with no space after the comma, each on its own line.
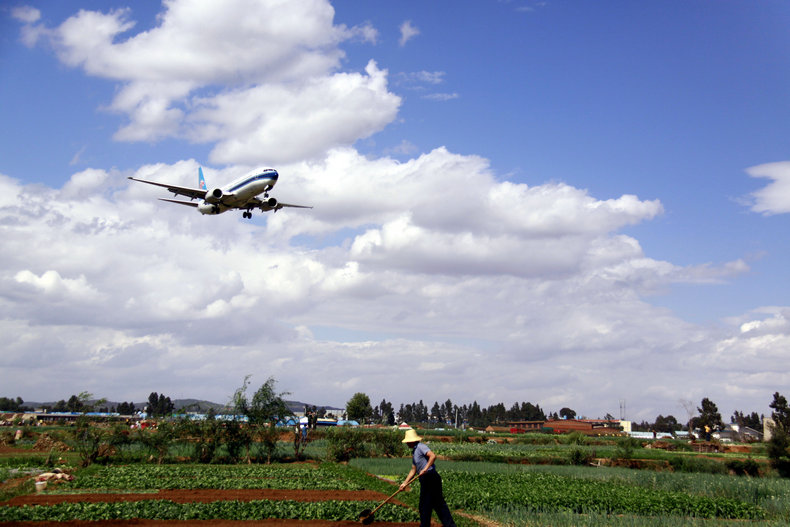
(180,202)
(280,205)
(191,193)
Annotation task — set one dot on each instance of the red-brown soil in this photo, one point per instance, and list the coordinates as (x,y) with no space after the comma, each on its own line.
(203,496)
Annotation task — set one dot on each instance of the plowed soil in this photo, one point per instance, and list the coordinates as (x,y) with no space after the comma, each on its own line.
(204,496)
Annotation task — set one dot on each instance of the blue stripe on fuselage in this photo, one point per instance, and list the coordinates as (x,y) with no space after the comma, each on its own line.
(269,174)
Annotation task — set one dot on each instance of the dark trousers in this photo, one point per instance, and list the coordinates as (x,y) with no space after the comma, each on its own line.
(432,499)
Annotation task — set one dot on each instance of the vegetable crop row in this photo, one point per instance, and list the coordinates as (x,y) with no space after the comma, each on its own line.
(550,492)
(145,477)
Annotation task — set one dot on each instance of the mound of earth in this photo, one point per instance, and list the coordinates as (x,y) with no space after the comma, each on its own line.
(45,443)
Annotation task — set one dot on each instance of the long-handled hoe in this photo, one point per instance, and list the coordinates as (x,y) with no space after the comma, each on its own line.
(366,516)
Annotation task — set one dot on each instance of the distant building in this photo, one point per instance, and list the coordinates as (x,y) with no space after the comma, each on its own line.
(596,427)
(736,433)
(520,427)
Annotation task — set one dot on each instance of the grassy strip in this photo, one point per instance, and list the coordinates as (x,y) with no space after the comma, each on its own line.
(602,490)
(513,516)
(226,510)
(143,477)
(551,492)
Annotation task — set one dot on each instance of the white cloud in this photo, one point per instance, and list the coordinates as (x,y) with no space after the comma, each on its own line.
(441,96)
(774,198)
(26,14)
(493,285)
(422,77)
(432,261)
(31,32)
(282,124)
(176,79)
(407,32)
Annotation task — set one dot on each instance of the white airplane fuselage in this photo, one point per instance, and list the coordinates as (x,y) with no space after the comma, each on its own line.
(240,192)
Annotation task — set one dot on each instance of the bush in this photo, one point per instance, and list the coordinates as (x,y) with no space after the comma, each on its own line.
(576,438)
(779,452)
(626,446)
(748,467)
(582,456)
(535,438)
(697,464)
(91,441)
(387,443)
(345,443)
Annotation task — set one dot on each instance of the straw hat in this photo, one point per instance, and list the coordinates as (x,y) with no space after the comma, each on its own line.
(411,437)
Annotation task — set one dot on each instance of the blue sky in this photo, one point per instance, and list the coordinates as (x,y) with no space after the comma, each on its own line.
(513,200)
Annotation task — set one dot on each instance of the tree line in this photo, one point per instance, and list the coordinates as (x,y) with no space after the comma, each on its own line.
(358,408)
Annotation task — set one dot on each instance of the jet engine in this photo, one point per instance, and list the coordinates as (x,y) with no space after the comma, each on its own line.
(208,208)
(214,195)
(269,204)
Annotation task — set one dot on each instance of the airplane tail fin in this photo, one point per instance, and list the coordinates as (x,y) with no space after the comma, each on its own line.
(201,179)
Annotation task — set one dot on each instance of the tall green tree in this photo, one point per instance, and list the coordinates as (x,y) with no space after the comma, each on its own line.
(567,413)
(709,416)
(358,407)
(666,424)
(264,409)
(752,420)
(779,444)
(267,405)
(159,405)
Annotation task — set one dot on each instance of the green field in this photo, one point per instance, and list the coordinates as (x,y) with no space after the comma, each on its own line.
(569,495)
(539,480)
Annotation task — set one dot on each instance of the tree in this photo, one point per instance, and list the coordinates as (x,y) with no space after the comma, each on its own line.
(386,412)
(752,420)
(263,411)
(779,445)
(781,413)
(567,413)
(268,406)
(666,424)
(358,407)
(125,408)
(74,404)
(436,413)
(12,405)
(159,405)
(709,417)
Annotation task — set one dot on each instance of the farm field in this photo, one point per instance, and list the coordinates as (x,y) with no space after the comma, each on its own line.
(543,495)
(518,485)
(323,494)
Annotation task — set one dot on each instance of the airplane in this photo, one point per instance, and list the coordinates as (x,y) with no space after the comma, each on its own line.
(240,194)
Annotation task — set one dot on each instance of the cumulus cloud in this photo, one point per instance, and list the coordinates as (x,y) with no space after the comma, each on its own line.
(774,198)
(432,269)
(176,79)
(281,124)
(433,260)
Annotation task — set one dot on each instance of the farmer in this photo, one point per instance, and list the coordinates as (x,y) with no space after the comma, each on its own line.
(431,497)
